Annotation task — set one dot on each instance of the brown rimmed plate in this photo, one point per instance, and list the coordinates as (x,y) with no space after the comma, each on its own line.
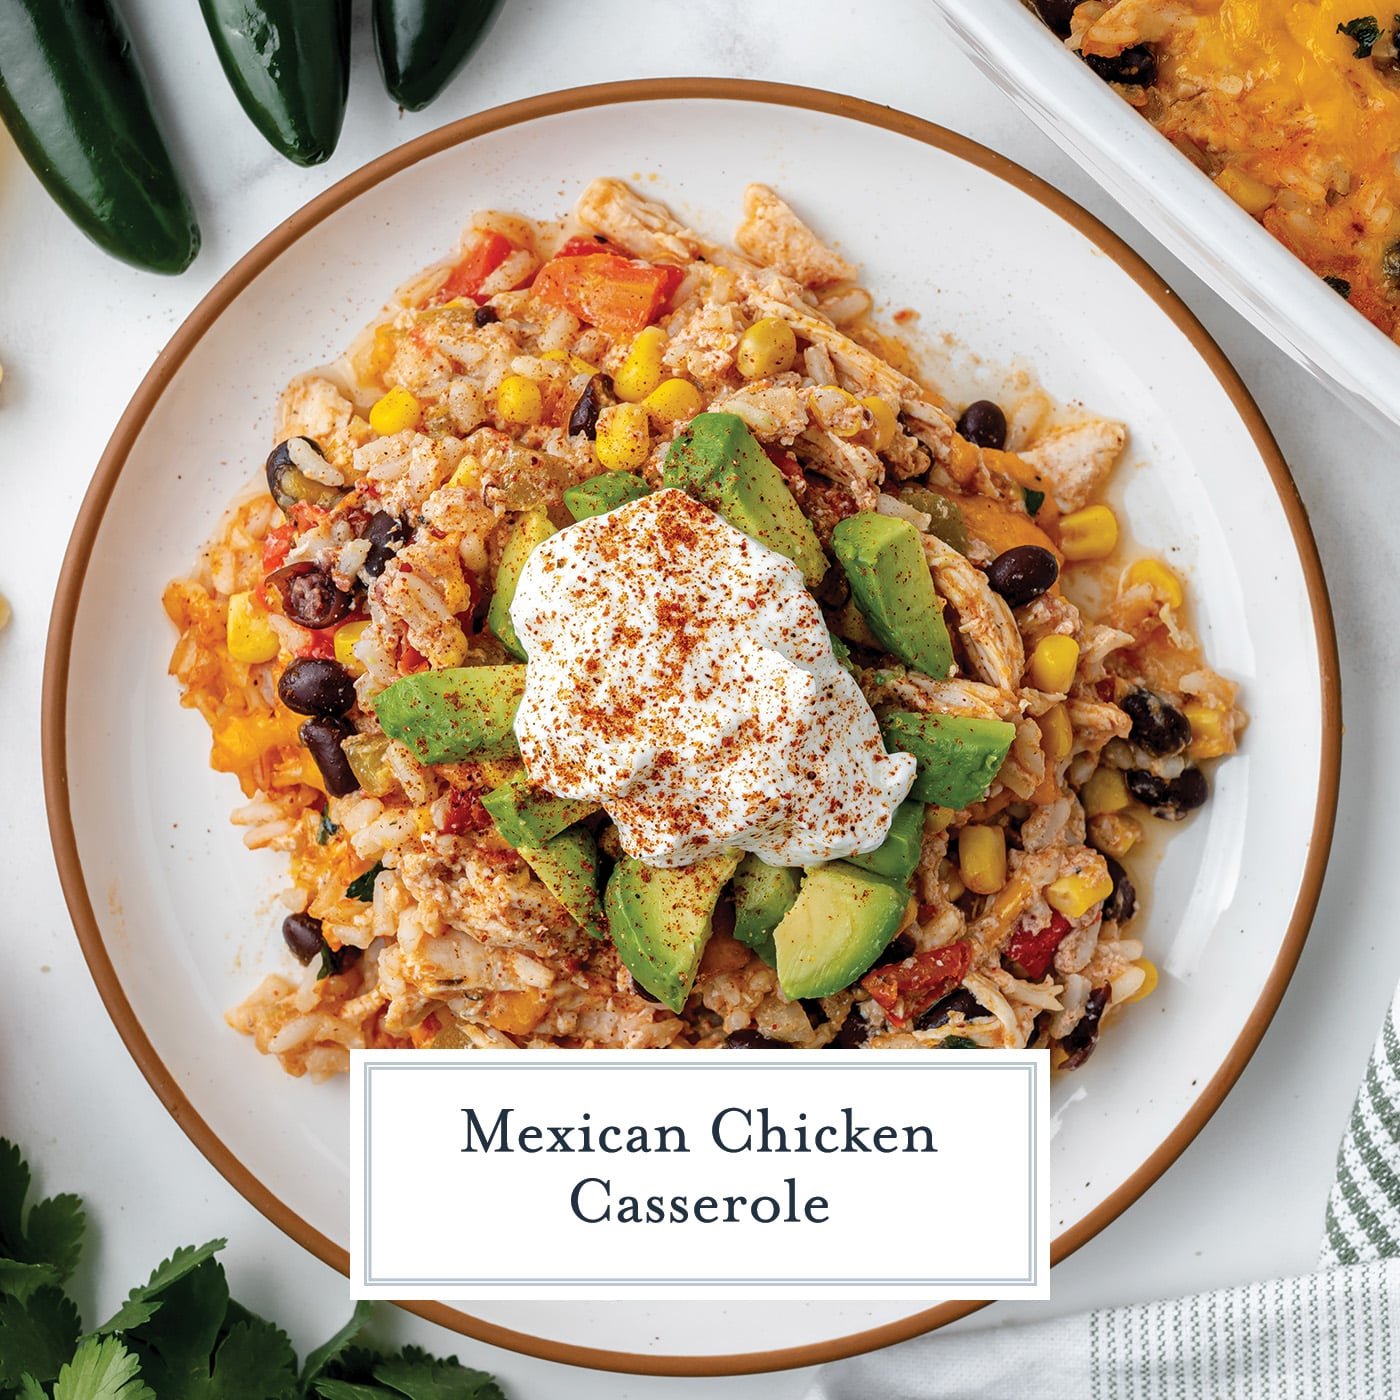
(175,917)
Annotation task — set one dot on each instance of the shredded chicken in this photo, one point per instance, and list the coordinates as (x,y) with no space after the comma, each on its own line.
(772,234)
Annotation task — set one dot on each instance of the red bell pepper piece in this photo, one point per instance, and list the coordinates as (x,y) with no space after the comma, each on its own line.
(1034,950)
(907,989)
(482,259)
(607,291)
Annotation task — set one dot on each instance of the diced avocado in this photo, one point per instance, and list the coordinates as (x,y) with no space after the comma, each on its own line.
(892,586)
(568,865)
(842,921)
(958,756)
(448,716)
(945,519)
(600,494)
(530,528)
(526,816)
(897,856)
(660,920)
(718,461)
(762,895)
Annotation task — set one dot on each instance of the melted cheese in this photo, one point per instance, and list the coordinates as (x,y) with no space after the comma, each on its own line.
(1271,99)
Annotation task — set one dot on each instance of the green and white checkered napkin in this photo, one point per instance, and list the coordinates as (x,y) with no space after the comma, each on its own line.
(1331,1335)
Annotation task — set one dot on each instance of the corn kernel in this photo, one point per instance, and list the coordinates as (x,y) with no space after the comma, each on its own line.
(640,372)
(1056,734)
(883,422)
(1053,664)
(937,819)
(468,474)
(982,858)
(840,412)
(1253,196)
(381,355)
(519,401)
(575,362)
(674,401)
(1013,898)
(1150,979)
(1106,791)
(1114,834)
(953,887)
(1161,580)
(1074,895)
(346,639)
(768,347)
(624,437)
(1208,736)
(250,635)
(1091,533)
(396,412)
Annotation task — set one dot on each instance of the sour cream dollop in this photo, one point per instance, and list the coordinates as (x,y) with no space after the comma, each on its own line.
(682,677)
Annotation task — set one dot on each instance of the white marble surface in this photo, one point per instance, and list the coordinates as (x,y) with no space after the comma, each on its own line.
(77,331)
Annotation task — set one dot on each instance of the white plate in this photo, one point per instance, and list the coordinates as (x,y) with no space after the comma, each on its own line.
(1277,292)
(176,917)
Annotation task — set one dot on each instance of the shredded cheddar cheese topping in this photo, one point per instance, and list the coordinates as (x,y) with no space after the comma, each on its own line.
(1277,107)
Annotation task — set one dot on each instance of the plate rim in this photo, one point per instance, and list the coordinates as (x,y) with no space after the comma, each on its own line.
(57,666)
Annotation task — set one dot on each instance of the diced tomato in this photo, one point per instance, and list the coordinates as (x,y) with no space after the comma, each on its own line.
(907,989)
(612,293)
(482,259)
(411,660)
(1034,950)
(276,546)
(582,247)
(320,644)
(788,465)
(307,517)
(464,813)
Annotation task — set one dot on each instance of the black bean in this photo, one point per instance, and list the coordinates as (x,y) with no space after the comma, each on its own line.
(312,685)
(1079,1043)
(334,960)
(983,423)
(1159,727)
(302,934)
(1390,264)
(322,738)
(1169,798)
(485,315)
(290,486)
(309,595)
(387,534)
(1134,67)
(1038,1029)
(751,1039)
(960,1001)
(816,1012)
(1056,14)
(1121,905)
(1023,573)
(834,591)
(853,1034)
(896,951)
(597,395)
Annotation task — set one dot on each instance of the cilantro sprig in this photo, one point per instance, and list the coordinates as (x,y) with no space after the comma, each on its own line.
(1364,31)
(179,1335)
